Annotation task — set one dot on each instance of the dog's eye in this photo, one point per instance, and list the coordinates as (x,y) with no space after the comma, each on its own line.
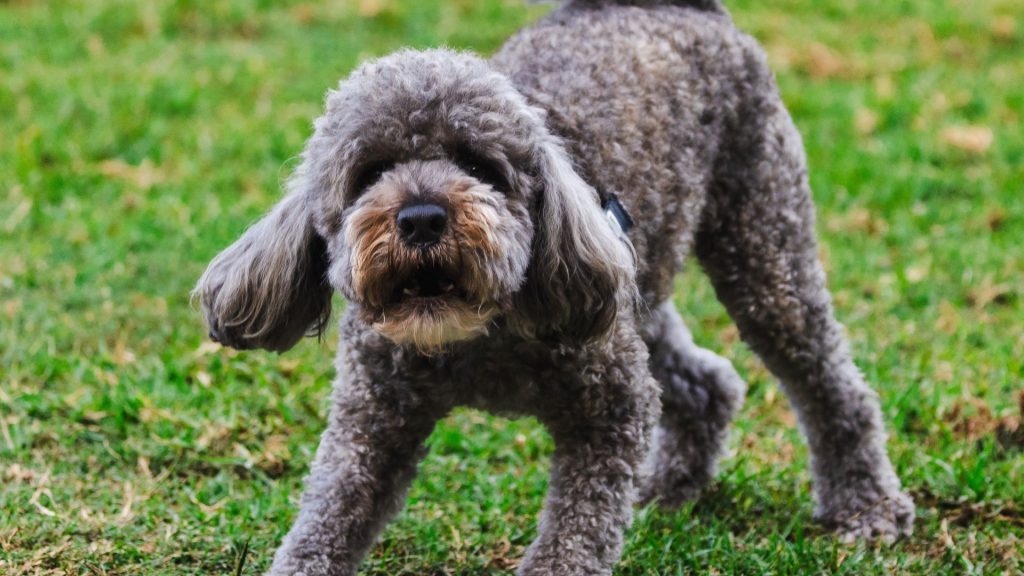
(371,174)
(483,170)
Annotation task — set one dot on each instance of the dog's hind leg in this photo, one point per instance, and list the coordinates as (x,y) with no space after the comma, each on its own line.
(701,393)
(756,242)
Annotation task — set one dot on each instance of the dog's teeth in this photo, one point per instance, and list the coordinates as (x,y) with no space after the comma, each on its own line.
(447,287)
(411,290)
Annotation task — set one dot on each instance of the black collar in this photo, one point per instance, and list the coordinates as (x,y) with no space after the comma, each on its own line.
(613,208)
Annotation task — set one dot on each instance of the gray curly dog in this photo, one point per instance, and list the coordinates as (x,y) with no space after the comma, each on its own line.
(456,204)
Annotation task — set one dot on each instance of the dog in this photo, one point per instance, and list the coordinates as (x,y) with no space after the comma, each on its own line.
(506,233)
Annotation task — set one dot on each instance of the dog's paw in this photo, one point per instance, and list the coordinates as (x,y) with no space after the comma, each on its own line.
(885,519)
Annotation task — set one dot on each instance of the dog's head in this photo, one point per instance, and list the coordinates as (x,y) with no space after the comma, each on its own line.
(433,196)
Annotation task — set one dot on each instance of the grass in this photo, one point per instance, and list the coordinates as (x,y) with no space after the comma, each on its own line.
(139,138)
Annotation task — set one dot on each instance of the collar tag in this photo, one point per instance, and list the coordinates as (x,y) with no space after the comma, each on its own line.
(617,214)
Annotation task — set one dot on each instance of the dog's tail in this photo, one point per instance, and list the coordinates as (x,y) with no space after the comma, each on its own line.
(709,5)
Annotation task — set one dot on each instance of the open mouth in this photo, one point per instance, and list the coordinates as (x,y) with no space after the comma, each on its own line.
(427,282)
(431,306)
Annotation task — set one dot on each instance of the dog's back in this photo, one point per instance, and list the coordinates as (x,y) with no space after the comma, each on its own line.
(641,92)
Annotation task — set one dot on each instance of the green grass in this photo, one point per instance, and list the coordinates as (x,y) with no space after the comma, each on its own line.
(139,138)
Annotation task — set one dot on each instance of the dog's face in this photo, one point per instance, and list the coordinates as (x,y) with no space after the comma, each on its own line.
(442,206)
(432,246)
(425,197)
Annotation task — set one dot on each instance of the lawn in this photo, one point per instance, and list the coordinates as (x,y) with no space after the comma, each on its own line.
(139,138)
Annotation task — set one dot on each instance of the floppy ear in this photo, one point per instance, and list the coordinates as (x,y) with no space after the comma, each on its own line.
(581,270)
(269,288)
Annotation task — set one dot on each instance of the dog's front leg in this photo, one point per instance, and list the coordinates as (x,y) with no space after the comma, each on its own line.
(590,501)
(366,460)
(600,445)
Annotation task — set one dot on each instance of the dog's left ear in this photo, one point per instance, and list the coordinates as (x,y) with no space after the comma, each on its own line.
(581,270)
(269,288)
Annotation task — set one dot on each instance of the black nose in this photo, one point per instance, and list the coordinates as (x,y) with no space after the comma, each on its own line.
(422,224)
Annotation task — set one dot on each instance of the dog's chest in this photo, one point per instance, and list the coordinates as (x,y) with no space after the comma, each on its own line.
(509,376)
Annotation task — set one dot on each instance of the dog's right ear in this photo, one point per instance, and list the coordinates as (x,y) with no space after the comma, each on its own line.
(269,288)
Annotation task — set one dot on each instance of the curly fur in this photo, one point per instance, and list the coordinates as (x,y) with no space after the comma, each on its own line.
(268,289)
(529,302)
